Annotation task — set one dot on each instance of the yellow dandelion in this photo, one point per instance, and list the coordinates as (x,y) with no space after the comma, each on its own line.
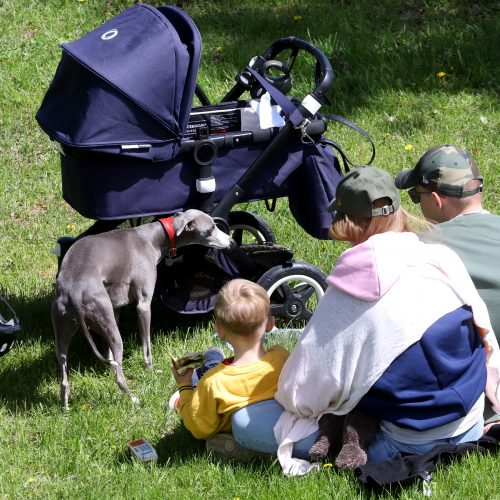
(409,147)
(327,466)
(70,227)
(441,74)
(218,49)
(86,406)
(297,18)
(31,480)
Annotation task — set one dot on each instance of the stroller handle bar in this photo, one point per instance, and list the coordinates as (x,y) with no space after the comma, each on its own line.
(299,115)
(293,43)
(327,76)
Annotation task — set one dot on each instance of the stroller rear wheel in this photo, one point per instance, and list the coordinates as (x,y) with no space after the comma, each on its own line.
(248,228)
(295,290)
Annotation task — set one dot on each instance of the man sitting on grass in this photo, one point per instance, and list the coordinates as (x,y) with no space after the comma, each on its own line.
(448,186)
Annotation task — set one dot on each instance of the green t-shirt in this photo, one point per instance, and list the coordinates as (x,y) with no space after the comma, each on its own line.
(475,238)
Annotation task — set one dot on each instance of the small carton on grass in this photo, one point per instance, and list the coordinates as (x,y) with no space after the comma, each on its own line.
(143,450)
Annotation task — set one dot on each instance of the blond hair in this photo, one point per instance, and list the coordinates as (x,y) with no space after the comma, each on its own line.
(241,306)
(358,229)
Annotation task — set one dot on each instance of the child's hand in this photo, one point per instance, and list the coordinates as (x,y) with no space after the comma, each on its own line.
(184,379)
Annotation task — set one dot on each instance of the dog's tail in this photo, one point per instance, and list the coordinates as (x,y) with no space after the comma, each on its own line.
(90,340)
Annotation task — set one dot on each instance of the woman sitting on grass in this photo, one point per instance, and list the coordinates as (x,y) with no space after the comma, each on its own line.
(400,334)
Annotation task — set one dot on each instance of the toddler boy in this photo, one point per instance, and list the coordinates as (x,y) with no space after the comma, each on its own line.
(241,318)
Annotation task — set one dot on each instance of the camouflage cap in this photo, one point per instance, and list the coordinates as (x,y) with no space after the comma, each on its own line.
(446,169)
(357,191)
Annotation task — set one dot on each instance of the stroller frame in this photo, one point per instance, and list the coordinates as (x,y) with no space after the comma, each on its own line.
(290,284)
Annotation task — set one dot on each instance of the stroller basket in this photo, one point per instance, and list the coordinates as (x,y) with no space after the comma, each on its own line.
(9,328)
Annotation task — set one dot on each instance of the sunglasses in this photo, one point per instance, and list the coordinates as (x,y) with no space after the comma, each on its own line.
(415,195)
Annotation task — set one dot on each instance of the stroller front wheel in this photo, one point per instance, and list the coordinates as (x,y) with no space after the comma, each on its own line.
(294,289)
(248,228)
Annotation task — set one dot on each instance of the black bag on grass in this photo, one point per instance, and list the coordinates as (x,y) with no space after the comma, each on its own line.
(405,469)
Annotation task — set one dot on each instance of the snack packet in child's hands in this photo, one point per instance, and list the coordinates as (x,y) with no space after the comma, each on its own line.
(191,360)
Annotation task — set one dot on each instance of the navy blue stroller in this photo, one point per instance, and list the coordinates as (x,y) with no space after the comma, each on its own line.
(120,109)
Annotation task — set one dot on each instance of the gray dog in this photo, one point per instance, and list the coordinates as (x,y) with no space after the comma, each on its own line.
(101,273)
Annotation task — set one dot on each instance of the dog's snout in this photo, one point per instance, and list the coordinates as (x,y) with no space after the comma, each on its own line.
(225,240)
(219,239)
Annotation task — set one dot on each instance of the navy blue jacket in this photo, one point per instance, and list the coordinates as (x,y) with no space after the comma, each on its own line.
(434,382)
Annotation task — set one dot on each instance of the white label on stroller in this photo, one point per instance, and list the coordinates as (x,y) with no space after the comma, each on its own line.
(136,146)
(217,121)
(109,34)
(205,185)
(311,104)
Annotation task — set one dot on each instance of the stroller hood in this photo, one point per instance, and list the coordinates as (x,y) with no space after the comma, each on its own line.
(126,87)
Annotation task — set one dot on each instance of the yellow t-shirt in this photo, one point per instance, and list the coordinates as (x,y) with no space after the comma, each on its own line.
(207,410)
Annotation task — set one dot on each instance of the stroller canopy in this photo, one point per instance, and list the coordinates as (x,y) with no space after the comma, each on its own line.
(127,85)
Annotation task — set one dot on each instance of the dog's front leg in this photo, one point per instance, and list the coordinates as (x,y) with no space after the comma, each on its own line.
(144,322)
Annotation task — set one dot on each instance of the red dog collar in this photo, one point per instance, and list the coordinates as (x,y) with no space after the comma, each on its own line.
(168,225)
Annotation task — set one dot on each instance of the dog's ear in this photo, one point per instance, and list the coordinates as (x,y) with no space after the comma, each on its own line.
(183,222)
(190,225)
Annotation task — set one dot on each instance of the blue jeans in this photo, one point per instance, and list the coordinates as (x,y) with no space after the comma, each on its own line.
(253,429)
(385,447)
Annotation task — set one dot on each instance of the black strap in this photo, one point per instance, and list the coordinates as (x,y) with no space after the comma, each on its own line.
(295,116)
(347,123)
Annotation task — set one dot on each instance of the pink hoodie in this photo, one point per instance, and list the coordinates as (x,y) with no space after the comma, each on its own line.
(368,270)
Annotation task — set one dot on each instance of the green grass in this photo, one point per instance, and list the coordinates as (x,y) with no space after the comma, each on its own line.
(386,55)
